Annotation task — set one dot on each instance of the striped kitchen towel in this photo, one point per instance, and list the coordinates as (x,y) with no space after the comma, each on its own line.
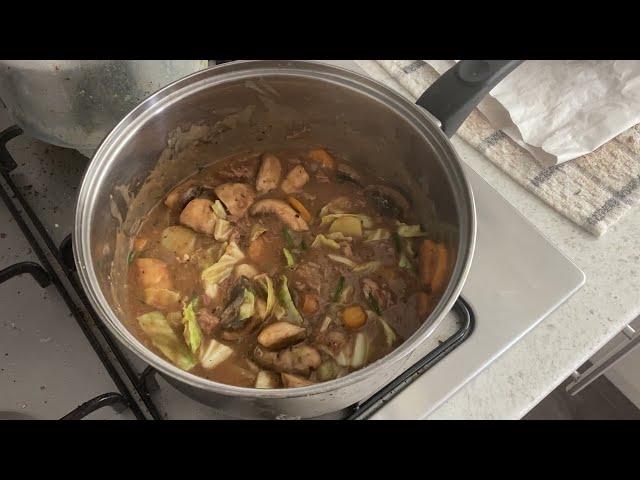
(594,191)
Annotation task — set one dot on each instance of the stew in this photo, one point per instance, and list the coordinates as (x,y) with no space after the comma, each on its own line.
(282,270)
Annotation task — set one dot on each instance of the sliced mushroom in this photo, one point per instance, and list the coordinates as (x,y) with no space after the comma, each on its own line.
(199,216)
(348,174)
(299,359)
(152,272)
(293,381)
(281,334)
(237,197)
(287,215)
(295,179)
(389,201)
(228,317)
(269,173)
(249,327)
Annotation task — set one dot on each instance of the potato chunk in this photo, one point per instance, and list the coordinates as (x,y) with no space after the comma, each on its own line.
(199,216)
(152,272)
(179,240)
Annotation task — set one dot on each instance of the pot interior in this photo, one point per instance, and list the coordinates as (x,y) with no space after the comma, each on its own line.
(247,107)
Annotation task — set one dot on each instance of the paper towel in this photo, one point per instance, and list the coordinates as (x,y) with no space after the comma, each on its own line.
(559,110)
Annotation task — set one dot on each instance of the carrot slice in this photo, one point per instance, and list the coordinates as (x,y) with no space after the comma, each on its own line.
(304,213)
(426,255)
(433,261)
(423,304)
(321,156)
(441,267)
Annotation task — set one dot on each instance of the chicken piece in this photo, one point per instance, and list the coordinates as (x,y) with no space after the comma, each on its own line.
(207,321)
(280,334)
(300,359)
(294,381)
(237,197)
(199,216)
(295,179)
(269,173)
(152,272)
(283,211)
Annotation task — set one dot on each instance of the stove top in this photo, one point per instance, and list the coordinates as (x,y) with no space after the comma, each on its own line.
(55,355)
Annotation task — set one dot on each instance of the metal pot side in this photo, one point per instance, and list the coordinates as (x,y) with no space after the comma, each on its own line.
(250,107)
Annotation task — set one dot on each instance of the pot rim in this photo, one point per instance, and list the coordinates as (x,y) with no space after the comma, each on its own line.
(422,121)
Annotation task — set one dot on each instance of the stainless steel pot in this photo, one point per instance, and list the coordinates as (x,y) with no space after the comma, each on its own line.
(252,106)
(75,103)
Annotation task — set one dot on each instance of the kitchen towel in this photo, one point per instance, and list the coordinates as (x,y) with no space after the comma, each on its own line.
(559,110)
(594,191)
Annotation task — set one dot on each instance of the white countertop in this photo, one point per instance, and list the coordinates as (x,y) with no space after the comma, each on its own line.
(519,379)
(609,300)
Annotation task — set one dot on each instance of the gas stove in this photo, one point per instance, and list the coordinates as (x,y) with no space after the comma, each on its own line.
(57,360)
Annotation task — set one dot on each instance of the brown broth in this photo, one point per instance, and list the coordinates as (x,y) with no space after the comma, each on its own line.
(314,272)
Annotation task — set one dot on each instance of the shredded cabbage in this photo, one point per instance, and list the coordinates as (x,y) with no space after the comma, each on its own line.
(389,334)
(322,241)
(366,268)
(157,328)
(192,332)
(366,220)
(287,301)
(279,312)
(360,350)
(346,294)
(408,247)
(404,262)
(214,353)
(219,210)
(325,323)
(222,230)
(160,297)
(264,281)
(339,236)
(256,231)
(220,271)
(289,258)
(344,260)
(245,270)
(409,231)
(248,305)
(377,234)
(357,356)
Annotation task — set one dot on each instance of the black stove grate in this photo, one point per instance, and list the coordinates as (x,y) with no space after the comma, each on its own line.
(135,390)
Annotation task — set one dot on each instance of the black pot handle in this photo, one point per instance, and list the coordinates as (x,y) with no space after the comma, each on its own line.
(459,90)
